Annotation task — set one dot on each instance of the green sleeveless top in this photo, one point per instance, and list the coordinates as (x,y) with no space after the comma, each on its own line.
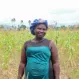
(38,57)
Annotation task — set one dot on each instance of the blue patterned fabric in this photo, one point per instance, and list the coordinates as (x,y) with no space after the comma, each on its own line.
(36,22)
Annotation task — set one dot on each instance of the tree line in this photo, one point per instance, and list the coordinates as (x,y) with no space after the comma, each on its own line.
(13,26)
(22,26)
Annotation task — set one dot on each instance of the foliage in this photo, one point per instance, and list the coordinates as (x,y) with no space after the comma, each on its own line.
(1,26)
(67,42)
(22,27)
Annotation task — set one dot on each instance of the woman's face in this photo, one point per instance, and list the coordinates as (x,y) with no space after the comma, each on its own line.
(40,30)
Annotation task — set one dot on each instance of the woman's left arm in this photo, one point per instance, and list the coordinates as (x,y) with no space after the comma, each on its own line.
(55,60)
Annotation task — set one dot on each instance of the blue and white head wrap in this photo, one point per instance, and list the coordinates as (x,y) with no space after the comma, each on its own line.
(36,22)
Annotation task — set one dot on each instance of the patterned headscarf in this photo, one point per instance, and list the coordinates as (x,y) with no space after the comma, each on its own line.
(35,23)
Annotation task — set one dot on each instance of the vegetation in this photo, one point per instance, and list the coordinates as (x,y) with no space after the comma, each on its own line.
(67,42)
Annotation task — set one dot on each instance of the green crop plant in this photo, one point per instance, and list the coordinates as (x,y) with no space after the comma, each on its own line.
(67,42)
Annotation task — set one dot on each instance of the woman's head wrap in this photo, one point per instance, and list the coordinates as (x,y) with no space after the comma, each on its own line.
(36,22)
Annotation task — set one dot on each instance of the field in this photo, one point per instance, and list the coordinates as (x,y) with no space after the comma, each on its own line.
(67,43)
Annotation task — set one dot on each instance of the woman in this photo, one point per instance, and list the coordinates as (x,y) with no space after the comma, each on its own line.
(37,54)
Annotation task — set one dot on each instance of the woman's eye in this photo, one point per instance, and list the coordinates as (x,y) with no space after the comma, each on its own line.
(39,28)
(44,29)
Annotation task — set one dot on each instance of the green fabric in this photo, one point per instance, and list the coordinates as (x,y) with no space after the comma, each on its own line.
(37,62)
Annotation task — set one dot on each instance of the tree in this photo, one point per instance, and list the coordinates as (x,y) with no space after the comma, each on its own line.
(21,21)
(63,27)
(23,27)
(1,26)
(54,24)
(13,22)
(29,22)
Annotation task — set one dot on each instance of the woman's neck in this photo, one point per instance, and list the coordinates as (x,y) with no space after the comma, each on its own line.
(38,39)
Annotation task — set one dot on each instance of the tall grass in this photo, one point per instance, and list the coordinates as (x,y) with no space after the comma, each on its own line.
(67,43)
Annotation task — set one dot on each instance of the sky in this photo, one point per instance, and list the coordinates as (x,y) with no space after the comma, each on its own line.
(60,11)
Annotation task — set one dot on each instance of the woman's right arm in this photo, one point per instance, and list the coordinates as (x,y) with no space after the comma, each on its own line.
(22,63)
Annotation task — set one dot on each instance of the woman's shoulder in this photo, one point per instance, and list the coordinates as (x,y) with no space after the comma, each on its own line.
(52,44)
(27,42)
(50,41)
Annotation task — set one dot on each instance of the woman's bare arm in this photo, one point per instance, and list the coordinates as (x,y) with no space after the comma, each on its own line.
(55,60)
(22,63)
